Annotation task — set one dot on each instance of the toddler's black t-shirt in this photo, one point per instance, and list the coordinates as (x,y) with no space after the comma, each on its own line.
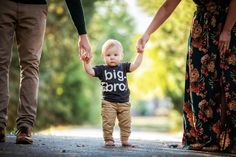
(114,82)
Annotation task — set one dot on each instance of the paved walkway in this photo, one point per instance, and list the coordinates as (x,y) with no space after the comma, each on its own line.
(89,143)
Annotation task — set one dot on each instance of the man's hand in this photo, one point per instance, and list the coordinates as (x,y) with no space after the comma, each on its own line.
(84,48)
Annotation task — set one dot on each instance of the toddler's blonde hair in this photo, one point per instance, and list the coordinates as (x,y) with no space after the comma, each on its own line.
(110,43)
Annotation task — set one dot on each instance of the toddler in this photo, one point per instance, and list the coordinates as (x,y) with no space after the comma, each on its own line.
(115,91)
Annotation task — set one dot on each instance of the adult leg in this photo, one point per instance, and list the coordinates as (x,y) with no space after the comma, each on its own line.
(7,26)
(30,32)
(201,103)
(229,86)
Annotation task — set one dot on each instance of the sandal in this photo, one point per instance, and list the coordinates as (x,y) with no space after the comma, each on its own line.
(196,146)
(233,150)
(211,148)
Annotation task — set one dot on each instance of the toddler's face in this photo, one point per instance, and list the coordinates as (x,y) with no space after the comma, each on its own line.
(113,56)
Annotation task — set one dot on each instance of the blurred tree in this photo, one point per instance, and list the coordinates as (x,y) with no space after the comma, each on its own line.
(112,21)
(66,95)
(14,89)
(61,78)
(163,70)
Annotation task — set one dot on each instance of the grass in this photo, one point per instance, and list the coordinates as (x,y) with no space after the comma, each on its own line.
(168,123)
(157,124)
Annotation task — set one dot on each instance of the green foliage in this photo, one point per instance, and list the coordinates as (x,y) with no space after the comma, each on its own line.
(70,98)
(14,89)
(111,20)
(163,70)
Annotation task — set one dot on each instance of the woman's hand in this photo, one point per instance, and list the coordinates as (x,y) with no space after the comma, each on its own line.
(142,42)
(224,41)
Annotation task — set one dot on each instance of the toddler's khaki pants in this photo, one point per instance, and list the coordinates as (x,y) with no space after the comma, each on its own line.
(110,111)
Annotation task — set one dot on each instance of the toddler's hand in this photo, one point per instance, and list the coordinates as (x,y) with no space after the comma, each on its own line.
(86,60)
(84,56)
(139,51)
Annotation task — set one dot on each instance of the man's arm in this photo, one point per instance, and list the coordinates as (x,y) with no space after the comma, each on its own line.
(77,14)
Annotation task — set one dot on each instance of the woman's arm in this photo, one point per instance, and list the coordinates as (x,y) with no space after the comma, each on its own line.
(137,62)
(162,14)
(225,35)
(160,17)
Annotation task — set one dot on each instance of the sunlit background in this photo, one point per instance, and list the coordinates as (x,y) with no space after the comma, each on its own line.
(69,97)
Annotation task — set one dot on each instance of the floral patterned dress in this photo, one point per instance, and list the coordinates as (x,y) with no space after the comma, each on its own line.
(209,108)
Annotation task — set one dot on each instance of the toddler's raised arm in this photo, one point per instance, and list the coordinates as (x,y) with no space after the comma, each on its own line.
(88,68)
(137,62)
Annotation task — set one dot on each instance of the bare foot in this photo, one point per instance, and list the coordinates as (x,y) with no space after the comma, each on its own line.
(109,144)
(127,144)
